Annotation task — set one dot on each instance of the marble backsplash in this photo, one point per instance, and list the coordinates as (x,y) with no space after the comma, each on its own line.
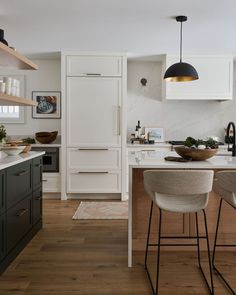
(179,119)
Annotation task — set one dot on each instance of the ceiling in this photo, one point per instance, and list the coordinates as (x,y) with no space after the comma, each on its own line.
(138,27)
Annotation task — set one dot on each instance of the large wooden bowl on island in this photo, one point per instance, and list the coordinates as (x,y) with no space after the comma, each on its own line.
(195,154)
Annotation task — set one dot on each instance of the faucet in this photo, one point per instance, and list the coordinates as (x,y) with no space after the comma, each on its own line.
(233,149)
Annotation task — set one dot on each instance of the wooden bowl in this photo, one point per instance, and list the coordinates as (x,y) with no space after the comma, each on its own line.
(46,137)
(195,154)
(27,148)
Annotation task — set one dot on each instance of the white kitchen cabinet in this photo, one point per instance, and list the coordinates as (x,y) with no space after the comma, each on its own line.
(215,79)
(93,111)
(94,158)
(94,182)
(93,123)
(107,66)
(51,182)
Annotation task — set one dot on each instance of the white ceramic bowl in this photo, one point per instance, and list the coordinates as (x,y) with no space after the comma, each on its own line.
(13,150)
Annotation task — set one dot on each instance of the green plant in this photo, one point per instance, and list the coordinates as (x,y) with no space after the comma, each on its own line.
(29,140)
(3,132)
(210,143)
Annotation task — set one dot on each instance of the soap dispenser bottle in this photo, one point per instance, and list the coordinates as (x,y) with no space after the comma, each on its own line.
(139,129)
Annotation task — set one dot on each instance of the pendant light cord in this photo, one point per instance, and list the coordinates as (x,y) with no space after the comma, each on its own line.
(181,40)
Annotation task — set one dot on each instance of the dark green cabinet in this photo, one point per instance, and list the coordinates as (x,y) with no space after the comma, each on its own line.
(2,191)
(37,205)
(37,172)
(19,182)
(2,236)
(19,221)
(20,207)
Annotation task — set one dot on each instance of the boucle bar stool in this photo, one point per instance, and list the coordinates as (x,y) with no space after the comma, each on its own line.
(225,186)
(180,191)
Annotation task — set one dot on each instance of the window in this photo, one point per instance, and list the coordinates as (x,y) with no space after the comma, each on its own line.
(14,114)
(11,114)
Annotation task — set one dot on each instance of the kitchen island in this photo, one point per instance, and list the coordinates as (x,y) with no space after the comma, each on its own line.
(20,203)
(173,223)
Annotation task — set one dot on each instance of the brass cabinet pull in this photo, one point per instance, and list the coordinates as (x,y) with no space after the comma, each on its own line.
(21,212)
(22,173)
(37,165)
(93,172)
(93,74)
(95,149)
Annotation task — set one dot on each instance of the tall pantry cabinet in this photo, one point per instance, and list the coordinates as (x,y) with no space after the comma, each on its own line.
(94,123)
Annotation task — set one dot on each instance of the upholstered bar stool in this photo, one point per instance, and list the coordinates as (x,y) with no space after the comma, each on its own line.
(180,191)
(225,186)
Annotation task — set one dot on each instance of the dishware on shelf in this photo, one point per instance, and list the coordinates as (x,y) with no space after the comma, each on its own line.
(46,137)
(195,154)
(13,150)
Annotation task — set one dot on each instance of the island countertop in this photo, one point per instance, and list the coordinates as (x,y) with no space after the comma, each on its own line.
(8,161)
(154,159)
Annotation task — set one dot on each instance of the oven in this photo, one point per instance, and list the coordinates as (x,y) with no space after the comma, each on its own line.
(50,158)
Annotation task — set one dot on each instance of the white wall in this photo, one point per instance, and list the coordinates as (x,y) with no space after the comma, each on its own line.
(46,78)
(178,118)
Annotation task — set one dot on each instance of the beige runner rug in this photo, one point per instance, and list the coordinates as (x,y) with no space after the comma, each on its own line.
(101,210)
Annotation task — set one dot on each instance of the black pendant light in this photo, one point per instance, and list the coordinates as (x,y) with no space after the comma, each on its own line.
(181,71)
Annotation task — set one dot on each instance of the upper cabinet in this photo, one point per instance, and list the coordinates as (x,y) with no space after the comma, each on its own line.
(94,66)
(215,79)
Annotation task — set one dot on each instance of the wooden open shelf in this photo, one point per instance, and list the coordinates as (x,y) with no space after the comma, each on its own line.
(12,58)
(9,100)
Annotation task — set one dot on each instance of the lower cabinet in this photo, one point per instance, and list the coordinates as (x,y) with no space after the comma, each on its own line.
(94,182)
(94,170)
(37,206)
(2,192)
(51,182)
(19,221)
(21,218)
(2,236)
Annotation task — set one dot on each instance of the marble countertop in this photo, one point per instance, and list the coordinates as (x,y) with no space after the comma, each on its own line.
(156,145)
(161,145)
(154,159)
(8,161)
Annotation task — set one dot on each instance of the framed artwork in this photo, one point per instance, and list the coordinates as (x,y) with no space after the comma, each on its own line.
(155,133)
(49,104)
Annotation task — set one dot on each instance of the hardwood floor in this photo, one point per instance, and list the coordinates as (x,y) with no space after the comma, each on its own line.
(87,257)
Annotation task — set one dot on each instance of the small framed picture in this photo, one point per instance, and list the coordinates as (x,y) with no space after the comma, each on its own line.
(49,104)
(154,133)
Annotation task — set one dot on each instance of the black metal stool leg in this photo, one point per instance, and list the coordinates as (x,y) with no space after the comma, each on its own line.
(214,250)
(198,246)
(211,288)
(209,255)
(149,228)
(159,251)
(216,234)
(155,292)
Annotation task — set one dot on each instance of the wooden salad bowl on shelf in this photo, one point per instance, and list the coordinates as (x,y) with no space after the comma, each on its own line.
(46,137)
(195,154)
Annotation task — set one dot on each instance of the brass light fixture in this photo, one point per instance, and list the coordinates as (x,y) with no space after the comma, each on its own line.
(181,71)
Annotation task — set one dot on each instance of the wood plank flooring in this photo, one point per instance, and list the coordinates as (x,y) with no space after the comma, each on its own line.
(86,257)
